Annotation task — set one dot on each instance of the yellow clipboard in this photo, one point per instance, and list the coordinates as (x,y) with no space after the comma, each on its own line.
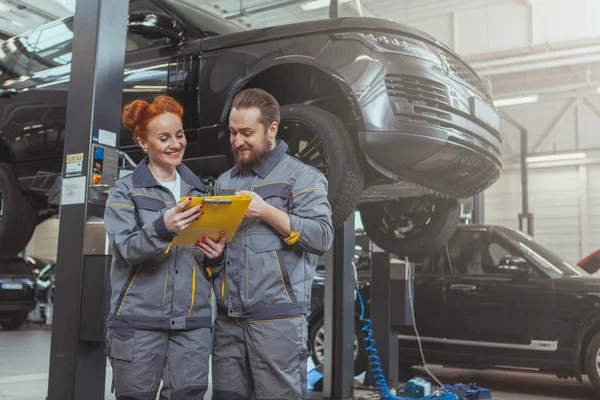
(221,214)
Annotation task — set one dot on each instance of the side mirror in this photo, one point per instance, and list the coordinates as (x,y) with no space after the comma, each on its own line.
(514,265)
(154,26)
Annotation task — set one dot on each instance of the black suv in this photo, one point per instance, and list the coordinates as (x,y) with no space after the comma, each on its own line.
(394,118)
(493,297)
(17,292)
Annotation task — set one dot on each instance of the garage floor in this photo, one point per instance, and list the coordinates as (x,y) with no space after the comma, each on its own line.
(25,355)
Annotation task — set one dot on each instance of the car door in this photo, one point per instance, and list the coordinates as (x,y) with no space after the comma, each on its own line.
(488,307)
(428,299)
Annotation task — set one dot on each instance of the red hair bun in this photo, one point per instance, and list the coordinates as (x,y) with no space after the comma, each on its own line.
(137,115)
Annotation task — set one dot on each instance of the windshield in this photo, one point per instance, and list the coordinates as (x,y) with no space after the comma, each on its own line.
(547,260)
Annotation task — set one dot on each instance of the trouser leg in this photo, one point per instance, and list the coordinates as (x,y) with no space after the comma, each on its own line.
(137,357)
(185,375)
(277,351)
(230,369)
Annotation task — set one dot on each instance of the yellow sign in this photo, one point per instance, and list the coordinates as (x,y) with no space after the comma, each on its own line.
(71,158)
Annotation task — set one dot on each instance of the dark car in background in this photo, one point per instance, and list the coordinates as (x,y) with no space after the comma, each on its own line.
(17,292)
(493,297)
(396,120)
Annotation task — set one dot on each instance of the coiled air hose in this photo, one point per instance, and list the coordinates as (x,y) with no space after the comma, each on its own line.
(377,371)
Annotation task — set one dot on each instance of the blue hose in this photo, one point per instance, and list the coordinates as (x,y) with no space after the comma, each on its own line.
(377,371)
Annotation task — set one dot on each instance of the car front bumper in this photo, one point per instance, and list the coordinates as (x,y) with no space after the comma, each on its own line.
(423,126)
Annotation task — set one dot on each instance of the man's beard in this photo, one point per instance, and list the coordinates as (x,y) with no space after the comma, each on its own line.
(255,158)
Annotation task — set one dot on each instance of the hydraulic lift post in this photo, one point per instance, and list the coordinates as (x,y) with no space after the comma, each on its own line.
(386,339)
(338,376)
(90,167)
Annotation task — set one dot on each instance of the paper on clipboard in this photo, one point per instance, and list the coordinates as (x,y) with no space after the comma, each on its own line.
(221,214)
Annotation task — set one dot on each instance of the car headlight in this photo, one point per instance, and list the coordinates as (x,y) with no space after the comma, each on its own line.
(390,43)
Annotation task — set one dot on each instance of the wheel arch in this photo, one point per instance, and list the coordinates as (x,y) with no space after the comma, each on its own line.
(6,155)
(592,330)
(326,89)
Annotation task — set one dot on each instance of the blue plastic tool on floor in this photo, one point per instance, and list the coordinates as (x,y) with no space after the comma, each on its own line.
(469,392)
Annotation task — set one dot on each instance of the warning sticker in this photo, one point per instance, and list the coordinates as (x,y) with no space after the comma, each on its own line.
(74,165)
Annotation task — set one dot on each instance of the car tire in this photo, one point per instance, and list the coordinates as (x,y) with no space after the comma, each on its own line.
(316,336)
(306,125)
(592,362)
(18,218)
(14,323)
(439,224)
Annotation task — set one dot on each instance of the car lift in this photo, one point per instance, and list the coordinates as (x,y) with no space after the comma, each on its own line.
(77,360)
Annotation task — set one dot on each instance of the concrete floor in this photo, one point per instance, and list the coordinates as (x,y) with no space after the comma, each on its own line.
(25,354)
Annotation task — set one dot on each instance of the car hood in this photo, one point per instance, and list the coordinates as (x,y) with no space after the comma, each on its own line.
(314,27)
(585,284)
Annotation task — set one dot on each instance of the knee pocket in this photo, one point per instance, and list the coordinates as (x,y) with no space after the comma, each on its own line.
(196,372)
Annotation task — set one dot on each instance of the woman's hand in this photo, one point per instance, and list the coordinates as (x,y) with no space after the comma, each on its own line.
(176,219)
(211,250)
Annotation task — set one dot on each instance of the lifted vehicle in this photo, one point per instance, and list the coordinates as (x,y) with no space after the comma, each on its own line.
(394,118)
(17,293)
(501,301)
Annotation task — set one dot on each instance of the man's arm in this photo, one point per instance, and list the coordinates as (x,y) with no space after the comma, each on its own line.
(308,223)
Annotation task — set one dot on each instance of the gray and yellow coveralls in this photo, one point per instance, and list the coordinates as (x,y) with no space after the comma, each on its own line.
(160,316)
(260,336)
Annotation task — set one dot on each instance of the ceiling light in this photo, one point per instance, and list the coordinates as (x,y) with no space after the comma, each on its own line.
(557,157)
(516,100)
(317,4)
(17,23)
(4,8)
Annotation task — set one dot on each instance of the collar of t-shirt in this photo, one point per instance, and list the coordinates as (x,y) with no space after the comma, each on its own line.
(174,186)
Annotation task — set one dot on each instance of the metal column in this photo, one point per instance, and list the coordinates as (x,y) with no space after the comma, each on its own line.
(386,337)
(338,371)
(525,217)
(77,360)
(478,208)
(334,8)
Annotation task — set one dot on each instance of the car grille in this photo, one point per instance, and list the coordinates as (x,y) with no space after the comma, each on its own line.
(461,72)
(428,98)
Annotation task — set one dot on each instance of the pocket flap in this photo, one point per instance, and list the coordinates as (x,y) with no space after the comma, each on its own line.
(148,203)
(121,343)
(261,243)
(226,192)
(283,190)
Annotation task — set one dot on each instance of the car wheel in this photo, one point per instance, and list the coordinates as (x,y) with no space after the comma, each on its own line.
(318,138)
(316,337)
(592,362)
(14,323)
(408,226)
(18,218)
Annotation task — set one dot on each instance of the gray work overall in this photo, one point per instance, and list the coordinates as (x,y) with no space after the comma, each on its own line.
(160,316)
(263,294)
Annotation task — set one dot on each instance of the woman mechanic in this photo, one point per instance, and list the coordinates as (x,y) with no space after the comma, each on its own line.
(159,324)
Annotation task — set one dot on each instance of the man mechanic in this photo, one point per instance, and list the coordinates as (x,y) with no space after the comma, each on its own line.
(263,294)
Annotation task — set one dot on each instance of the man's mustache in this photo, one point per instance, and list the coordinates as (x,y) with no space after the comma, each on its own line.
(244,147)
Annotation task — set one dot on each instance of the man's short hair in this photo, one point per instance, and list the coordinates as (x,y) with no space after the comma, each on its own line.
(261,99)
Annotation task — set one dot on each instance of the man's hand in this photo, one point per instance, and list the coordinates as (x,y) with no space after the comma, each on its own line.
(176,219)
(211,250)
(257,206)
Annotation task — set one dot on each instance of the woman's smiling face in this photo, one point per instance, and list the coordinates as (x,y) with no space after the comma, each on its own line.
(165,140)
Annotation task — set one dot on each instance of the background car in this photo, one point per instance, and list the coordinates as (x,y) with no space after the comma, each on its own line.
(395,119)
(494,297)
(17,292)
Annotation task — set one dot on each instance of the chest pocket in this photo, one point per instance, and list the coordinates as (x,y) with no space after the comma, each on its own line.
(276,194)
(148,207)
